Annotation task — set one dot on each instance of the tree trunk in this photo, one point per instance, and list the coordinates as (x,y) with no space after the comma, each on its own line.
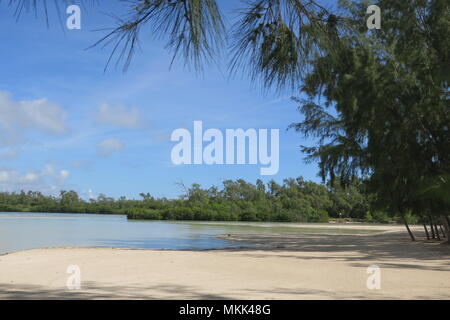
(437,232)
(407,228)
(442,231)
(446,223)
(426,231)
(433,236)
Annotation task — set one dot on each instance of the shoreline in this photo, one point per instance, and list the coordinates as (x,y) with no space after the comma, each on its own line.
(248,241)
(331,222)
(279,266)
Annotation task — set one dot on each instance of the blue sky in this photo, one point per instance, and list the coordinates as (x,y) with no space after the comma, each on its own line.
(65,124)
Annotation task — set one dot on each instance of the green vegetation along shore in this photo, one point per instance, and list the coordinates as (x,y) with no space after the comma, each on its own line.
(296,200)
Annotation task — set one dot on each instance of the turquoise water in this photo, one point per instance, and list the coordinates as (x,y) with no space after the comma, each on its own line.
(19,231)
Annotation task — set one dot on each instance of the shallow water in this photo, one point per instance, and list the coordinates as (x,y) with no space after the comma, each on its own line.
(19,231)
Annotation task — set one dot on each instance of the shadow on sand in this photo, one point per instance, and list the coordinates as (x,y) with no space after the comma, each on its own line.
(91,290)
(382,247)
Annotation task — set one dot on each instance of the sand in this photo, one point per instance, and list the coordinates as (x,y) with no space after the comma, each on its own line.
(280,266)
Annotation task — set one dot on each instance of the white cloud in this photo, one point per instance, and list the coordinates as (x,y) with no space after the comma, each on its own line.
(63,175)
(4,176)
(17,118)
(88,194)
(108,146)
(46,180)
(119,116)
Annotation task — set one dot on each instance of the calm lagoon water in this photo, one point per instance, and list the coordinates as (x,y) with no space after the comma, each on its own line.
(20,231)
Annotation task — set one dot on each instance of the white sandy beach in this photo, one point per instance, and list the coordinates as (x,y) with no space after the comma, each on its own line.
(280,266)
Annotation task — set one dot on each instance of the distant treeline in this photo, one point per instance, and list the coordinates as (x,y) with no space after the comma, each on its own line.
(294,200)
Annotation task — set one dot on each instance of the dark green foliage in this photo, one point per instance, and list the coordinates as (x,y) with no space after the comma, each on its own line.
(380,108)
(294,200)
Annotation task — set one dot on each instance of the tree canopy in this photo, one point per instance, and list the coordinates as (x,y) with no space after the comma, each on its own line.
(236,200)
(380,108)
